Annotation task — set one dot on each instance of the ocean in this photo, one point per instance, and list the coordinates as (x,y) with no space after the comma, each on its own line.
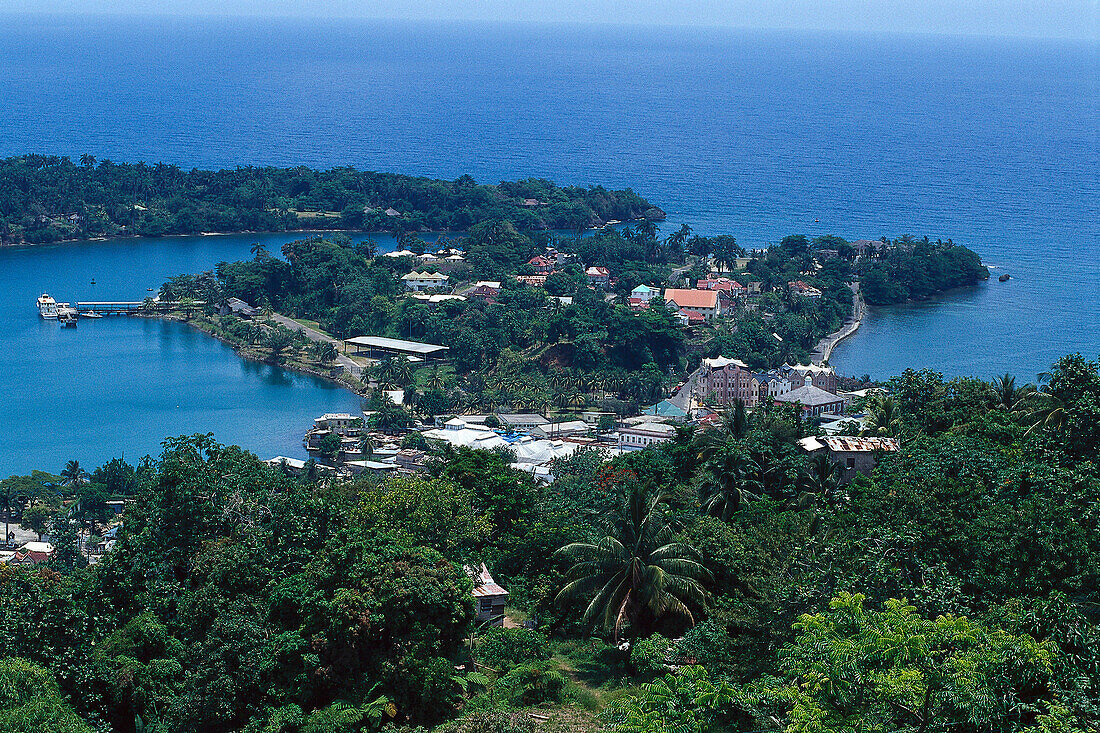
(994,143)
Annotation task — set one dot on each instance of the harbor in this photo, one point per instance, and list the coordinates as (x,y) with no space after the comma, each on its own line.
(66,314)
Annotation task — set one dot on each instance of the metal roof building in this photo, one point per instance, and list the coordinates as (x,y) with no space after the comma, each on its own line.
(380,345)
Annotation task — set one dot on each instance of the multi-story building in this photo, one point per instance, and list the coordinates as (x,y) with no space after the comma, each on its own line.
(705,303)
(725,381)
(418,281)
(644,435)
(822,377)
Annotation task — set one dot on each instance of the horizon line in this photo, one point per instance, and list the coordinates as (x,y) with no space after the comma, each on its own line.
(603,24)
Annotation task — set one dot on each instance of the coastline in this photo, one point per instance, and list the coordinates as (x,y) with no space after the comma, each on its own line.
(824,348)
(122,237)
(437,232)
(358,388)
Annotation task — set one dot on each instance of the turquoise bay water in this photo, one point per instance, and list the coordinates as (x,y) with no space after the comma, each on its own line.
(119,385)
(993,143)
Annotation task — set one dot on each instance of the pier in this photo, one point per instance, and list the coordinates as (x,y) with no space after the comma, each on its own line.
(121,308)
(127,308)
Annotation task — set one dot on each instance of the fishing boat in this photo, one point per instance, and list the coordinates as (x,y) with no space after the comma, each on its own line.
(47,307)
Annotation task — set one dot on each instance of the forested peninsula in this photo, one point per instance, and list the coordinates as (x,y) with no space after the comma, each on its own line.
(48,199)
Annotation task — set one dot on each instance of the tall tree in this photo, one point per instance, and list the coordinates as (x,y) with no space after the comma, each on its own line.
(637,574)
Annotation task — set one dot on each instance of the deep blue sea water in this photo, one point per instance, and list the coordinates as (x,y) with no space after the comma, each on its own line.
(994,143)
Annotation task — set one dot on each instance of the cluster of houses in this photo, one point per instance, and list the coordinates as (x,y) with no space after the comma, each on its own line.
(711,297)
(724,381)
(30,553)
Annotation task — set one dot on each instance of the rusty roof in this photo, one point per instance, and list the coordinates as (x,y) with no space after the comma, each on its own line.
(484,585)
(850,444)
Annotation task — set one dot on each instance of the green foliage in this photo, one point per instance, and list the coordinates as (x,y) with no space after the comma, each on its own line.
(853,669)
(31,702)
(41,193)
(651,656)
(239,598)
(501,649)
(916,270)
(531,684)
(329,447)
(685,702)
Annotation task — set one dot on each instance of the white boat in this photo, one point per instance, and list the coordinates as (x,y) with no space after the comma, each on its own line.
(47,307)
(91,314)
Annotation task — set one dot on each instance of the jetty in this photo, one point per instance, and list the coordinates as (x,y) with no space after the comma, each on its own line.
(119,307)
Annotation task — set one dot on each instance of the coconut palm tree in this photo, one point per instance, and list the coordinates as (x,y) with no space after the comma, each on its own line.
(1008,396)
(435,380)
(884,418)
(73,476)
(366,445)
(1045,410)
(822,476)
(730,478)
(637,573)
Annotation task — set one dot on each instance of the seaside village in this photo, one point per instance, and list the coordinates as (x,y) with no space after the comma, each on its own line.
(345,445)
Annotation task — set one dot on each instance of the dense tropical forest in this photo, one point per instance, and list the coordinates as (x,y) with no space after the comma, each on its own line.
(519,348)
(722,581)
(914,270)
(47,199)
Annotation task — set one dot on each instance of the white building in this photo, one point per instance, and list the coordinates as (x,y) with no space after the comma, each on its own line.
(521,422)
(644,435)
(644,293)
(337,421)
(458,432)
(561,429)
(418,281)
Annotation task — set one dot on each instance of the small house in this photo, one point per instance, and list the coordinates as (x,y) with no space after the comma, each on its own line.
(541,265)
(490,596)
(644,293)
(598,277)
(851,454)
(237,307)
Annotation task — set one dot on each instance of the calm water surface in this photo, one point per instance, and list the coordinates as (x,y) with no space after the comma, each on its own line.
(119,385)
(994,143)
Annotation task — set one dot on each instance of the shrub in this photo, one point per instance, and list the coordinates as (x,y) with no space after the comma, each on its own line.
(531,684)
(489,721)
(502,649)
(652,656)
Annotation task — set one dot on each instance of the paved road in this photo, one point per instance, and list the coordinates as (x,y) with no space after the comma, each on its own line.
(682,398)
(825,346)
(320,337)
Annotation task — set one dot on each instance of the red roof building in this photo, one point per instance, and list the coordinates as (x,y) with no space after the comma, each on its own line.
(542,265)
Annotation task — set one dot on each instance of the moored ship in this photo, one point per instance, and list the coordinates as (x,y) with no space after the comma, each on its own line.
(47,307)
